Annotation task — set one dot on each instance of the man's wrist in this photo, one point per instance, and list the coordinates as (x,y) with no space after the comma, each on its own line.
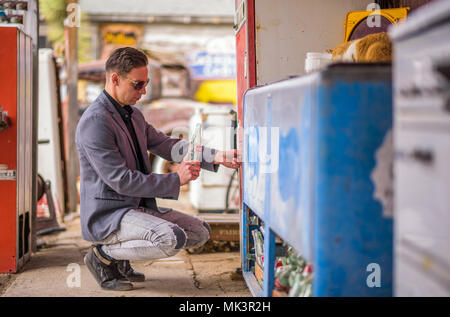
(218,158)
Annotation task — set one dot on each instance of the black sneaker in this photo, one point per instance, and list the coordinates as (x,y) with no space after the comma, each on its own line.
(105,272)
(127,271)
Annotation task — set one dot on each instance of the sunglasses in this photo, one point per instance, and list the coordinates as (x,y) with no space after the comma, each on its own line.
(138,84)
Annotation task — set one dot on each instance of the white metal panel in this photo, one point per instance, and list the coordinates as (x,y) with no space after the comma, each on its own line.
(422,209)
(49,158)
(287,30)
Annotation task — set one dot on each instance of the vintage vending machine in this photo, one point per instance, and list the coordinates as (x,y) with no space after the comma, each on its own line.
(324,185)
(16,148)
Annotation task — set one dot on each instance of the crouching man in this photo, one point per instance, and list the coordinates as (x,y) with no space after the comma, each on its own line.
(118,212)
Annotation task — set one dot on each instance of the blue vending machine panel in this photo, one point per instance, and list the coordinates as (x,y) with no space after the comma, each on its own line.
(254,140)
(277,123)
(353,182)
(318,170)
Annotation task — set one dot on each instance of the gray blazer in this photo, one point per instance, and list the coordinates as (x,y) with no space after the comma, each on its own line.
(110,183)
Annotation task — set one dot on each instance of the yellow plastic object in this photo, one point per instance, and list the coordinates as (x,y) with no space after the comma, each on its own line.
(355,17)
(217,91)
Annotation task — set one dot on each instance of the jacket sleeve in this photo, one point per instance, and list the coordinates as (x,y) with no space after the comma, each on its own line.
(174,149)
(97,139)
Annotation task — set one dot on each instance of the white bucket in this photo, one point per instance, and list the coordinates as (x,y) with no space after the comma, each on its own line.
(315,61)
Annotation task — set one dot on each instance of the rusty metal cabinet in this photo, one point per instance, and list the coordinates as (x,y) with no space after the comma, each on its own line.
(16,163)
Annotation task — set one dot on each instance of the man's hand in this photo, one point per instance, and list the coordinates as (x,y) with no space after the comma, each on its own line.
(230,159)
(188,171)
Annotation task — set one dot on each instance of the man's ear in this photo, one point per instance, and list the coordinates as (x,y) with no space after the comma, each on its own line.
(115,78)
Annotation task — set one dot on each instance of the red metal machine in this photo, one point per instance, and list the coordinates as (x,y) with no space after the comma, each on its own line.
(245,56)
(244,24)
(16,133)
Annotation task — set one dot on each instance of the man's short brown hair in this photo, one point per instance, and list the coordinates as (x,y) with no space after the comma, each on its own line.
(124,59)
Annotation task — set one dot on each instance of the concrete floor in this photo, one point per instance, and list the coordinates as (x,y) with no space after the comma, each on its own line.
(58,270)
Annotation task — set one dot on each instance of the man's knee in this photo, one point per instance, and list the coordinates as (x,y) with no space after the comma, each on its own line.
(200,236)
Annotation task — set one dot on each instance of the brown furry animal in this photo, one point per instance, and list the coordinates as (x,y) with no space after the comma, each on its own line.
(375,47)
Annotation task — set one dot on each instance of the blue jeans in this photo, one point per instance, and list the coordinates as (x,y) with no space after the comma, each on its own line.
(146,235)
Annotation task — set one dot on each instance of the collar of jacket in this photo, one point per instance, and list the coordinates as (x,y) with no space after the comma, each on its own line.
(125,111)
(118,118)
